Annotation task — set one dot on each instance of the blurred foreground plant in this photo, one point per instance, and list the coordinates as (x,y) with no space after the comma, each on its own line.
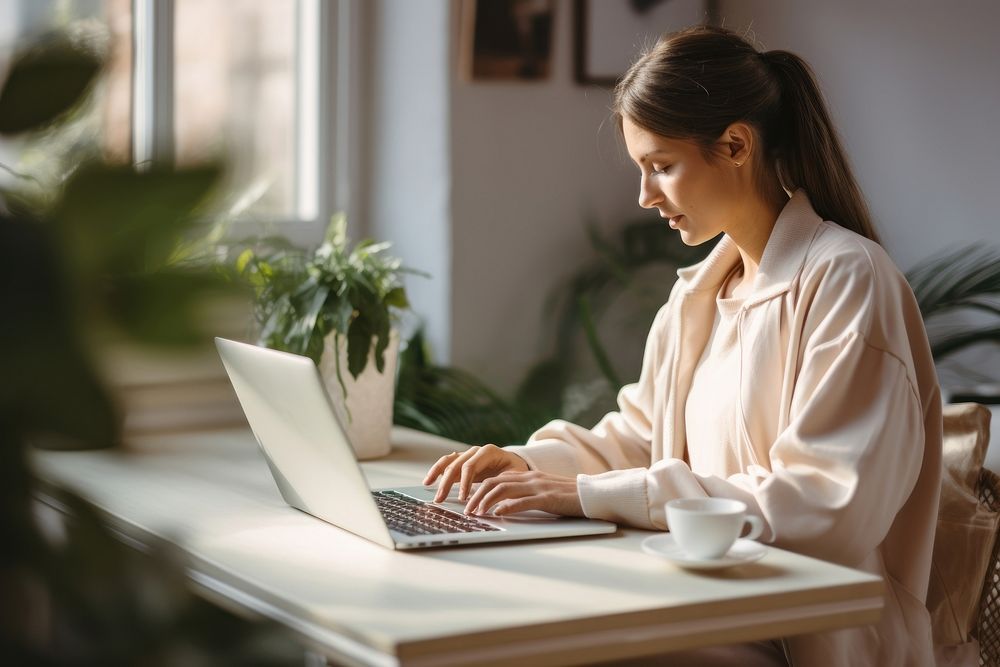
(84,262)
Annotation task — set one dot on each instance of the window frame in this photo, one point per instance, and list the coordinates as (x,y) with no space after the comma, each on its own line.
(322,77)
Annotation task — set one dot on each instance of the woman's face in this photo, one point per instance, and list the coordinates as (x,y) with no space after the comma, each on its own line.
(698,198)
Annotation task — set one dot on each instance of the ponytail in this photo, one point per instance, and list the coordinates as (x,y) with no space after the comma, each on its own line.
(695,82)
(808,151)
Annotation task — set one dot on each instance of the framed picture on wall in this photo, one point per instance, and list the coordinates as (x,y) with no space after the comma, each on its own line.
(506,39)
(610,33)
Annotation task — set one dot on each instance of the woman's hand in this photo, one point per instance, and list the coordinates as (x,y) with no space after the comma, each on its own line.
(511,492)
(473,465)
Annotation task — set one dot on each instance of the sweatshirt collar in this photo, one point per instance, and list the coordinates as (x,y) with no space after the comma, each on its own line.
(783,257)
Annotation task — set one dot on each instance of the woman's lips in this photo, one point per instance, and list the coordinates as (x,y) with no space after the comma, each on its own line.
(674,220)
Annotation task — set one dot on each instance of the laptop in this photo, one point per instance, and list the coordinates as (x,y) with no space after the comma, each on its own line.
(315,469)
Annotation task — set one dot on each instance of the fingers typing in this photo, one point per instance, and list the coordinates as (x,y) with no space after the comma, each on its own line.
(436,469)
(451,473)
(494,489)
(470,470)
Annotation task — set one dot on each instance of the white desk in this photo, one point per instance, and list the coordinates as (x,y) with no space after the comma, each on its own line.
(571,600)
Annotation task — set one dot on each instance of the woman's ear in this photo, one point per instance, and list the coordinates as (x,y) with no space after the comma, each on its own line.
(738,141)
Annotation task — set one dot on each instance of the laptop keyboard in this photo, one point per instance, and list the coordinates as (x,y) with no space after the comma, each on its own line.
(414,517)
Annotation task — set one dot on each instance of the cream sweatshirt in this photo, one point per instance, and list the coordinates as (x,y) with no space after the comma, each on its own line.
(839,415)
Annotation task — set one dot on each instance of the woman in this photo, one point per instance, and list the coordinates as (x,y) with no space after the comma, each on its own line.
(790,369)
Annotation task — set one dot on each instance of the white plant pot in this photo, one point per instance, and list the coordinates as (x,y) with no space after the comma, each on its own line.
(367,417)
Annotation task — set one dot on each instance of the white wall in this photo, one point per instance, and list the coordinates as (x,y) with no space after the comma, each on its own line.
(914,88)
(531,164)
(405,159)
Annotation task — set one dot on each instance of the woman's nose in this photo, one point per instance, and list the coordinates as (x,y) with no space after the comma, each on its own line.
(649,196)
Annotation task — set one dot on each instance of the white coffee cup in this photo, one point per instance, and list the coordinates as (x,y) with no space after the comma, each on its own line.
(706,528)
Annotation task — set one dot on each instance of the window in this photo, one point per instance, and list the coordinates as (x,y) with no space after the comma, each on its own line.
(234,96)
(251,82)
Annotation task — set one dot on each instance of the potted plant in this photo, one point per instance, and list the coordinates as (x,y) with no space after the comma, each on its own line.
(338,307)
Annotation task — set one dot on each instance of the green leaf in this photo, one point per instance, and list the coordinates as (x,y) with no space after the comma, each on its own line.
(953,278)
(340,378)
(382,327)
(49,384)
(243,260)
(66,398)
(370,247)
(162,308)
(305,324)
(979,305)
(336,233)
(343,310)
(359,343)
(115,219)
(315,346)
(397,298)
(964,278)
(943,346)
(408,414)
(45,82)
(274,319)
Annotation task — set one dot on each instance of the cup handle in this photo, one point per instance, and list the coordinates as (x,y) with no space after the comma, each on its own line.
(756,527)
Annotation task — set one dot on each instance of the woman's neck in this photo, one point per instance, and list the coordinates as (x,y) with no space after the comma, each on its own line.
(751,233)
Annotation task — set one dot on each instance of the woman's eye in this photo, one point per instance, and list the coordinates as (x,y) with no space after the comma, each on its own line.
(660,170)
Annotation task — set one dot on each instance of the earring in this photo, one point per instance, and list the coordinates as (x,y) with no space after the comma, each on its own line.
(738,164)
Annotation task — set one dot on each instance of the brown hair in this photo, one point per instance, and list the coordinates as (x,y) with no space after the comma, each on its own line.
(695,82)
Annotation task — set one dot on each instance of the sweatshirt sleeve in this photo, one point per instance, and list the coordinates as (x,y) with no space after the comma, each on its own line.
(840,471)
(622,439)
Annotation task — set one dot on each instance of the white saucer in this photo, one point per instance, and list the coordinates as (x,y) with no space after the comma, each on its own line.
(664,546)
